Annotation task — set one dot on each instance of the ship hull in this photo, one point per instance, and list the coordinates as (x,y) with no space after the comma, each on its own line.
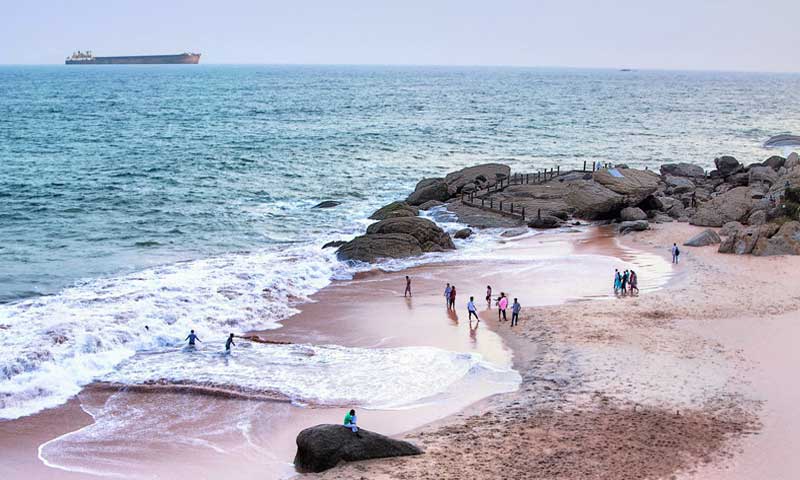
(186,58)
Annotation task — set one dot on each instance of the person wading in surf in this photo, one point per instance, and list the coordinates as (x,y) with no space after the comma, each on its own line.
(192,338)
(228,343)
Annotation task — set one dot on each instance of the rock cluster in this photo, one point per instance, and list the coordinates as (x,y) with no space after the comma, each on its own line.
(396,237)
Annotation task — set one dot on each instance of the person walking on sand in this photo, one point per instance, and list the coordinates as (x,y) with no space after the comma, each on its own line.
(515,309)
(447,295)
(228,343)
(634,281)
(350,421)
(502,304)
(617,281)
(676,252)
(489,297)
(407,293)
(624,284)
(453,298)
(471,309)
(192,338)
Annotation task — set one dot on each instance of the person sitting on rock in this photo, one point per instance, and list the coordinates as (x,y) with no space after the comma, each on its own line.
(350,421)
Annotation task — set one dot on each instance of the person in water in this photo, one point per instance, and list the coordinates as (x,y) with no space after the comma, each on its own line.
(489,297)
(228,343)
(407,293)
(515,309)
(192,338)
(447,295)
(471,309)
(350,421)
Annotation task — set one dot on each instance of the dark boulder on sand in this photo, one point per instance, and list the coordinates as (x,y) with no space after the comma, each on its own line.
(703,239)
(545,221)
(397,237)
(324,446)
(395,209)
(633,226)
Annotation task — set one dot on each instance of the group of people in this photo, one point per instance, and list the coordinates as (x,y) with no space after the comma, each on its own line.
(626,282)
(472,310)
(193,338)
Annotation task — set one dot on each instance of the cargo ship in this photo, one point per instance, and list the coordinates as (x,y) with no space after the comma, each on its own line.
(87,58)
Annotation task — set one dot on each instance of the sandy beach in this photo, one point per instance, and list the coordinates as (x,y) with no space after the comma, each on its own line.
(683,380)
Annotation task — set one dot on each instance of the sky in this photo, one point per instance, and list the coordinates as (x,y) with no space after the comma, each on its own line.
(665,34)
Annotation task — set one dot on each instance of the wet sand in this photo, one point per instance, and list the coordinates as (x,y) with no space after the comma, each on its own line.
(369,311)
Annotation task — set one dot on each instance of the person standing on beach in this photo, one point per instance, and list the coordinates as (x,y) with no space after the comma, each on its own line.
(192,338)
(624,284)
(471,309)
(408,287)
(228,343)
(502,304)
(634,281)
(617,281)
(453,298)
(489,297)
(515,309)
(676,252)
(447,295)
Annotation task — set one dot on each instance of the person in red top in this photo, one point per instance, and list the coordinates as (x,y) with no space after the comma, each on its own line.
(453,297)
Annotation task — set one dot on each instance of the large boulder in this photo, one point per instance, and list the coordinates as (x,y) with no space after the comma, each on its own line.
(682,170)
(634,226)
(634,185)
(427,233)
(703,239)
(325,446)
(744,240)
(763,175)
(786,241)
(672,207)
(432,189)
(732,206)
(775,162)
(369,248)
(395,209)
(727,165)
(592,201)
(632,213)
(463,233)
(481,175)
(426,182)
(545,221)
(679,184)
(792,161)
(730,228)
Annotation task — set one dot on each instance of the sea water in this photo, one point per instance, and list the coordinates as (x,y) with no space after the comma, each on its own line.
(138,202)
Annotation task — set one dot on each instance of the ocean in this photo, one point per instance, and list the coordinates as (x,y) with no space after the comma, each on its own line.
(175,197)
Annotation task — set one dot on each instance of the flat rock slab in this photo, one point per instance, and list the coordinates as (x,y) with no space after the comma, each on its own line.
(325,446)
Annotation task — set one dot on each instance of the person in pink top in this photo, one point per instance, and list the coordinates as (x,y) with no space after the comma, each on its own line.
(502,304)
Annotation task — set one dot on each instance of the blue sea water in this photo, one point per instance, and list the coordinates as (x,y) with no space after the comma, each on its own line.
(170,196)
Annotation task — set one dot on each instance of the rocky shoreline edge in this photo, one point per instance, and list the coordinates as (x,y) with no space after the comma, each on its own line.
(755,207)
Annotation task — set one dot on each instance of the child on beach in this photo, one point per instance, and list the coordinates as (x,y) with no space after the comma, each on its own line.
(447,295)
(408,287)
(502,304)
(515,309)
(489,297)
(471,309)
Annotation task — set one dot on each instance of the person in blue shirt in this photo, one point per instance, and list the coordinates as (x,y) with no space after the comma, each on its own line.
(515,309)
(192,338)
(471,309)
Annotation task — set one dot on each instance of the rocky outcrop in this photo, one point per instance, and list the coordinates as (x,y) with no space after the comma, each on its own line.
(632,213)
(786,241)
(430,204)
(592,201)
(727,165)
(396,237)
(682,170)
(634,226)
(679,184)
(703,239)
(764,175)
(430,189)
(327,204)
(545,221)
(334,244)
(744,240)
(463,233)
(634,185)
(481,175)
(732,206)
(395,209)
(730,228)
(325,446)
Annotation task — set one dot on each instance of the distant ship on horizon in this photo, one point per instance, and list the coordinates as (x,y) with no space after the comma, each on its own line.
(87,58)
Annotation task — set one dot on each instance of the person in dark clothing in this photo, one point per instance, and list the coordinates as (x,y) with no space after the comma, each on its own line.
(228,343)
(407,293)
(515,309)
(453,297)
(625,276)
(192,338)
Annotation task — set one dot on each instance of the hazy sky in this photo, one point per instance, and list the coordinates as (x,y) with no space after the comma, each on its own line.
(669,34)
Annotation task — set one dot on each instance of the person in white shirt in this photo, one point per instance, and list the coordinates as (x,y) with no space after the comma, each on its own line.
(471,308)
